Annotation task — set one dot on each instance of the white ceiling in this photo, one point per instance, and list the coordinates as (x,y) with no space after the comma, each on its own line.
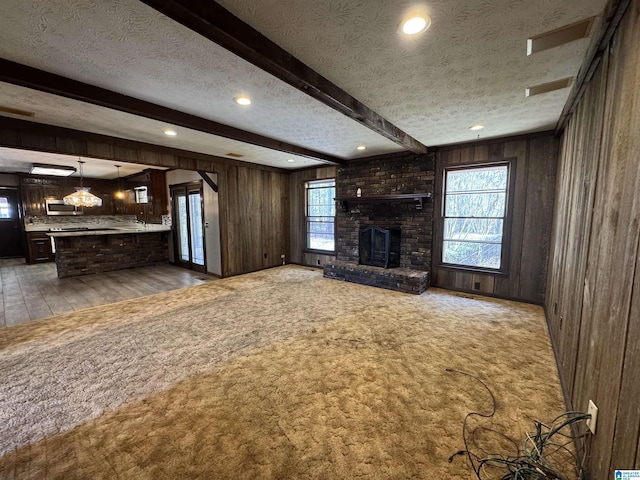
(469,67)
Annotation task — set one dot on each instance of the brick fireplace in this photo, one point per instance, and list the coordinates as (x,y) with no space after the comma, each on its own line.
(394,195)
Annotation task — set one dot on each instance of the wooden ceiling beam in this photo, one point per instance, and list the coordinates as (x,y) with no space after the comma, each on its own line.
(29,77)
(214,22)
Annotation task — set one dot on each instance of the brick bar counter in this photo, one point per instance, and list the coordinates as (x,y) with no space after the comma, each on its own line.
(87,252)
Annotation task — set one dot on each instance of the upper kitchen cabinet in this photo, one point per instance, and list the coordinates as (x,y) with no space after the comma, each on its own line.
(36,190)
(146,195)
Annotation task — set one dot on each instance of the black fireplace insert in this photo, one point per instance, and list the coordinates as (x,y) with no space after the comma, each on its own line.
(379,247)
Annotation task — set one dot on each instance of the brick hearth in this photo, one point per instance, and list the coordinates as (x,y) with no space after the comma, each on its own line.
(406,174)
(400,279)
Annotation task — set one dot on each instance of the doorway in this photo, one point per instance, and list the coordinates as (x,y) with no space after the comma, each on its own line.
(11,244)
(188,226)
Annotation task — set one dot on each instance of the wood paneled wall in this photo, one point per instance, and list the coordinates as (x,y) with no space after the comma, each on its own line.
(534,158)
(254,200)
(254,218)
(298,228)
(593,295)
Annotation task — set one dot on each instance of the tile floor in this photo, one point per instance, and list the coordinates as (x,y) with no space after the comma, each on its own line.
(29,292)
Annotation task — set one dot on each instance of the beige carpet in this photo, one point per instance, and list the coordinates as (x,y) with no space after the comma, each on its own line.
(275,374)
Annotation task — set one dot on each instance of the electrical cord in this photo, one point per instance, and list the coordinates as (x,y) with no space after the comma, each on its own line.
(540,453)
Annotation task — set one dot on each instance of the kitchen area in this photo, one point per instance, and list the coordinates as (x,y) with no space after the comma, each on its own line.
(125,220)
(128,228)
(57,257)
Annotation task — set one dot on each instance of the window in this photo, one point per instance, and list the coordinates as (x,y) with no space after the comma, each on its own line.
(141,194)
(474,211)
(320,214)
(5,211)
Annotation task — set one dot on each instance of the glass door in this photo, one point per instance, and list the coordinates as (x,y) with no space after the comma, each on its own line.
(188,231)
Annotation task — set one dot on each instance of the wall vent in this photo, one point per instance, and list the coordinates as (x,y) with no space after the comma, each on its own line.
(16,111)
(560,36)
(548,87)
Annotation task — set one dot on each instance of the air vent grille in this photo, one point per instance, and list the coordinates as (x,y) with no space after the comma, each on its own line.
(560,36)
(548,87)
(16,111)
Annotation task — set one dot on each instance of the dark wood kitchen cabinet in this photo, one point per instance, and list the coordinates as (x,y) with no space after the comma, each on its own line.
(39,248)
(36,189)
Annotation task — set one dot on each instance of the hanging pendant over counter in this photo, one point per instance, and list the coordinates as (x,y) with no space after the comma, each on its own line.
(82,197)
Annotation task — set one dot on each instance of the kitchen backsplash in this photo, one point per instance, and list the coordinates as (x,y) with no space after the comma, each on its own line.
(84,219)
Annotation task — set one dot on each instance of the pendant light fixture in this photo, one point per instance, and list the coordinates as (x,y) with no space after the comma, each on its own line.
(82,197)
(119,193)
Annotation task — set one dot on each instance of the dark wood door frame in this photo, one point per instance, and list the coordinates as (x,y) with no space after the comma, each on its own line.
(186,188)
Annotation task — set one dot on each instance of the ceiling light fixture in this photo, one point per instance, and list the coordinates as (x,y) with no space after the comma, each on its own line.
(242,100)
(82,197)
(415,25)
(290,160)
(361,147)
(477,126)
(119,193)
(170,133)
(57,170)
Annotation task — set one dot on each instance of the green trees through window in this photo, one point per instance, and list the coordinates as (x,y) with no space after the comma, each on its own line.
(475,206)
(320,214)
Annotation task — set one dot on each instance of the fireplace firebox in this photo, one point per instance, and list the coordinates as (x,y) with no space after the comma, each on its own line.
(379,247)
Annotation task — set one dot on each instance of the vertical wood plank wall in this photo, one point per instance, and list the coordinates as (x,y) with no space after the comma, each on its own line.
(535,160)
(254,200)
(297,219)
(255,223)
(593,292)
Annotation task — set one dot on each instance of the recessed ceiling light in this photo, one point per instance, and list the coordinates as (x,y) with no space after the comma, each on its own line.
(477,126)
(170,133)
(242,100)
(415,25)
(290,160)
(361,147)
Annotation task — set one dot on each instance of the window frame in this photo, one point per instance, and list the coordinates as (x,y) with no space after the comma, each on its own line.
(307,248)
(505,244)
(8,210)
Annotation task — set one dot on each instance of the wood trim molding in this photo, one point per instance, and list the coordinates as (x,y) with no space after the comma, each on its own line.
(205,176)
(29,77)
(611,18)
(214,22)
(490,141)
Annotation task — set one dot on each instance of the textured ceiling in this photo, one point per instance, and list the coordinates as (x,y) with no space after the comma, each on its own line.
(65,112)
(469,67)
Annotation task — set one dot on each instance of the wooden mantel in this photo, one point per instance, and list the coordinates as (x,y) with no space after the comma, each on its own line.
(418,198)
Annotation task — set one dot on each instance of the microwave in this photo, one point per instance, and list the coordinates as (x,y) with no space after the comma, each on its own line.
(58,207)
